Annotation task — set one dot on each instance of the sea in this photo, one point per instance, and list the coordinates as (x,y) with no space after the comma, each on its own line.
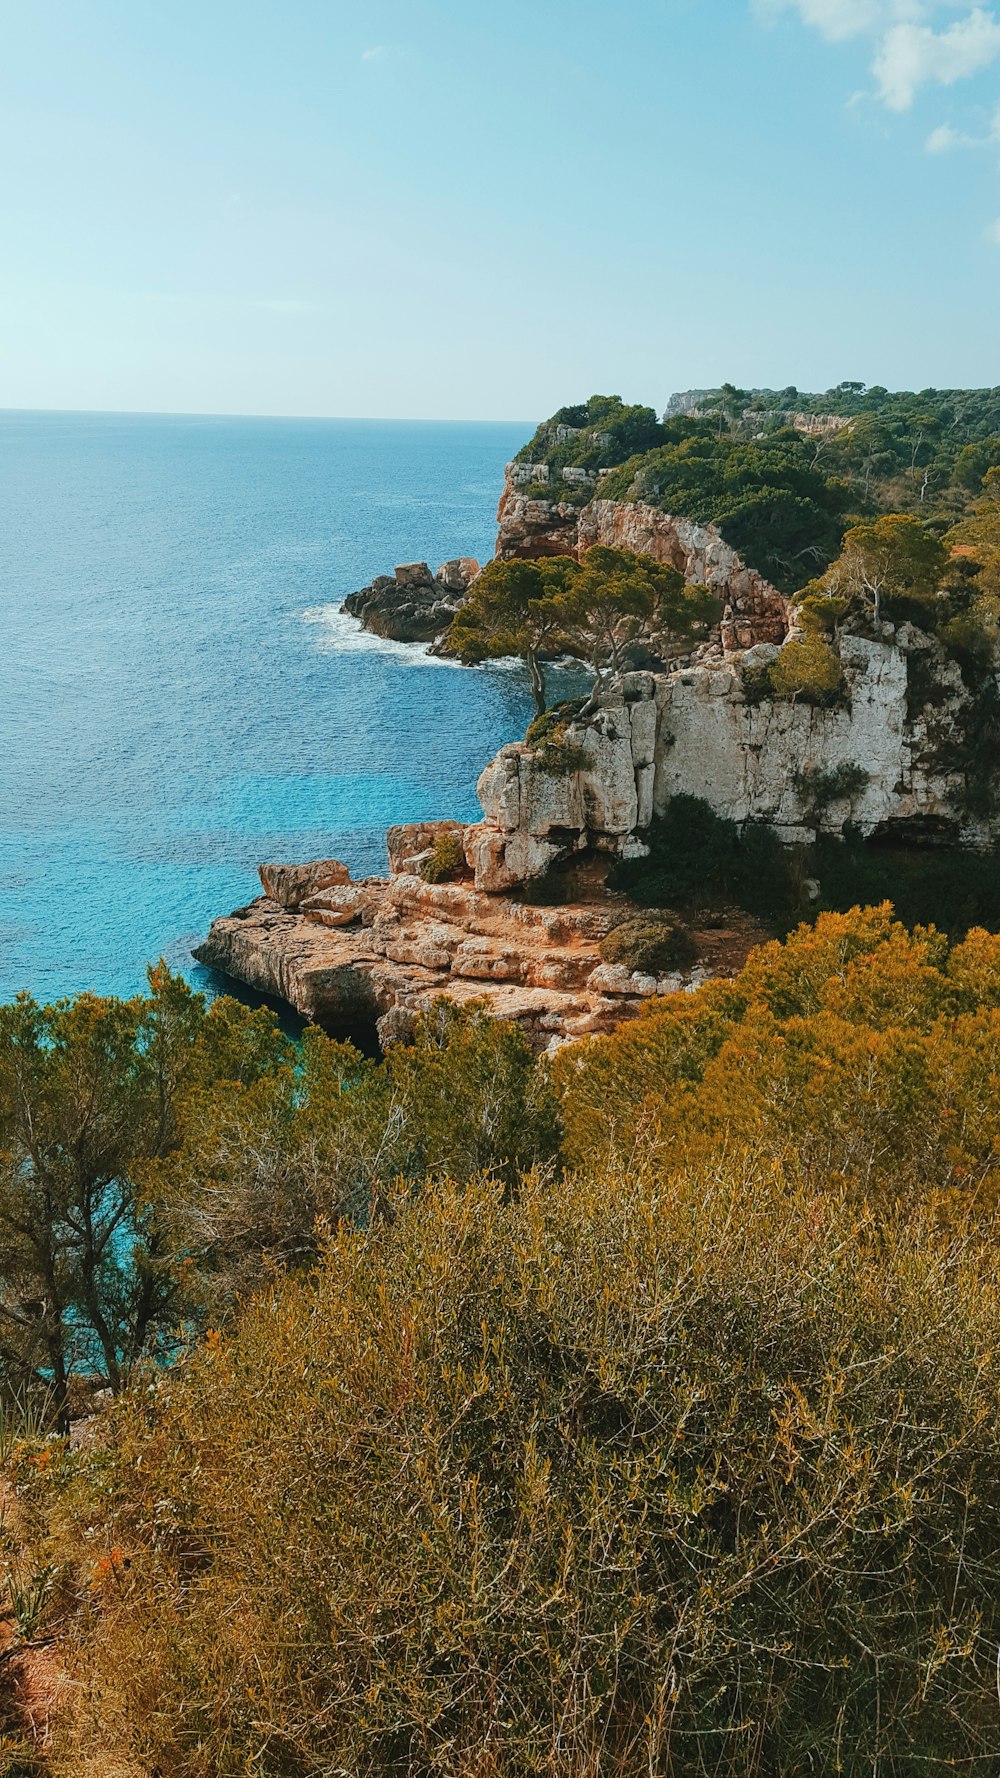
(181,696)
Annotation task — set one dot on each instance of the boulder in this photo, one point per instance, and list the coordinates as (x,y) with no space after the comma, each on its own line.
(413,574)
(291,884)
(339,906)
(412,605)
(409,844)
(458,574)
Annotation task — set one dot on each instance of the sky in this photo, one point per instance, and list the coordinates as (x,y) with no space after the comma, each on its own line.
(444,209)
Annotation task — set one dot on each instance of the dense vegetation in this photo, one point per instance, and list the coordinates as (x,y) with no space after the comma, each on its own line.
(634,1411)
(783,496)
(700,863)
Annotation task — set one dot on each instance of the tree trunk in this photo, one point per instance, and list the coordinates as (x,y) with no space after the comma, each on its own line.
(596,690)
(537,679)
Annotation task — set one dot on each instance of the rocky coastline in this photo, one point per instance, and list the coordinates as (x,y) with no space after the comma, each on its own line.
(412,604)
(364,959)
(890,756)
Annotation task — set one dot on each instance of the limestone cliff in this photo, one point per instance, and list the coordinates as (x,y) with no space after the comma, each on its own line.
(892,757)
(754,610)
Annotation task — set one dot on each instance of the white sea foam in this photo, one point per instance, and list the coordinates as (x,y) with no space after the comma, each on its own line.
(340,633)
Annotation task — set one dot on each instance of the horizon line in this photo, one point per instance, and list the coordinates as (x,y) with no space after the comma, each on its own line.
(214,414)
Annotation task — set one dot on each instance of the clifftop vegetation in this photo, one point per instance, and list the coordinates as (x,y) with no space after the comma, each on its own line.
(775,471)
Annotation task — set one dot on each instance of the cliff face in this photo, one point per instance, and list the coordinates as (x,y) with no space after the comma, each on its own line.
(888,758)
(754,610)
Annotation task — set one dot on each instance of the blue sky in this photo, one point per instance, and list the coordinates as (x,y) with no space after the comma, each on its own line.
(443,209)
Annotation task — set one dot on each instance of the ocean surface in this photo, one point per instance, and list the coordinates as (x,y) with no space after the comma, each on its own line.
(180,695)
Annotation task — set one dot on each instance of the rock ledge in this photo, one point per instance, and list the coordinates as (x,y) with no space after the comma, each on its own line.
(363,959)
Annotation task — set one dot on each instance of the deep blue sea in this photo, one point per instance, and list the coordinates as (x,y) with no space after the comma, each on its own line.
(180,696)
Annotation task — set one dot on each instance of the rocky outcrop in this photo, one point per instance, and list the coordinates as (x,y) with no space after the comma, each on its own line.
(292,884)
(891,757)
(412,604)
(692,403)
(366,958)
(536,815)
(410,845)
(753,610)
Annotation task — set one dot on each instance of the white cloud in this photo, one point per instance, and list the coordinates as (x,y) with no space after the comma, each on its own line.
(909,52)
(993,232)
(377,53)
(840,20)
(944,139)
(911,56)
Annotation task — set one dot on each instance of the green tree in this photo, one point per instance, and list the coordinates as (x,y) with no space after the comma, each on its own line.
(511,610)
(974,462)
(807,668)
(867,450)
(615,596)
(892,557)
(88,1088)
(264,1167)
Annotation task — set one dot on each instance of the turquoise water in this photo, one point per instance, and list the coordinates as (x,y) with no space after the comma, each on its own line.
(180,697)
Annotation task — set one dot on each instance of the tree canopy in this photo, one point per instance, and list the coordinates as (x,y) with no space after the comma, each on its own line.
(894,558)
(593,608)
(782,473)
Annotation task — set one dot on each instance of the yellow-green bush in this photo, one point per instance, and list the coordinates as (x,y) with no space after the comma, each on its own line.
(446,860)
(866,1053)
(680,1462)
(628,1477)
(807,668)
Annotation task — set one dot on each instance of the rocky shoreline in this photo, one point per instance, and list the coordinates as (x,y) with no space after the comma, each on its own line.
(364,959)
(412,604)
(890,754)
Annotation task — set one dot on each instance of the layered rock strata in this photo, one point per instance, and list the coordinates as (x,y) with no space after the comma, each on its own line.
(412,604)
(369,956)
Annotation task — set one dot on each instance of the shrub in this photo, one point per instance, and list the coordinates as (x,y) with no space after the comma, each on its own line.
(954,888)
(821,786)
(807,668)
(696,857)
(260,1169)
(621,1478)
(551,726)
(447,859)
(547,736)
(650,944)
(856,1053)
(820,610)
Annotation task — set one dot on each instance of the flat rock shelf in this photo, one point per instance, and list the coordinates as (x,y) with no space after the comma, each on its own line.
(364,959)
